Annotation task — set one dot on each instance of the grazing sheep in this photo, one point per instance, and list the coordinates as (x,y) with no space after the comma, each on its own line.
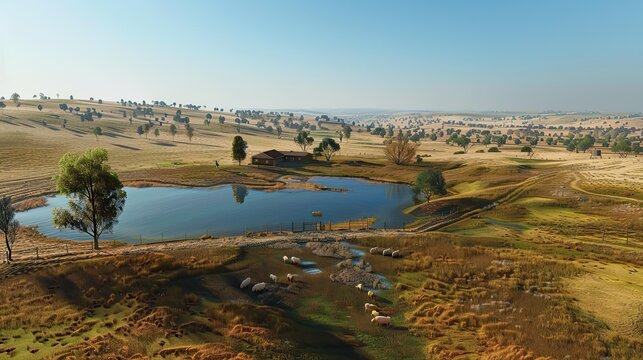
(370,307)
(396,253)
(387,252)
(382,320)
(371,294)
(245,282)
(286,259)
(374,250)
(273,278)
(259,287)
(295,260)
(375,313)
(291,277)
(359,287)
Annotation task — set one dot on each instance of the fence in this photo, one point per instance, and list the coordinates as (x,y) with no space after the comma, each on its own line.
(48,250)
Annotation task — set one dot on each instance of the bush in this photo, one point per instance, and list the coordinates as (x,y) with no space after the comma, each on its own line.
(458,152)
(480,151)
(493,149)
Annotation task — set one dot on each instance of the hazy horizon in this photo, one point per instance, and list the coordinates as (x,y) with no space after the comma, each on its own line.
(462,56)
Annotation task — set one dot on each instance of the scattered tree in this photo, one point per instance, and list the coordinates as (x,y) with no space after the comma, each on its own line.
(173,131)
(400,150)
(529,150)
(98,131)
(97,195)
(622,146)
(328,147)
(189,131)
(239,147)
(40,107)
(304,140)
(8,225)
(140,130)
(430,182)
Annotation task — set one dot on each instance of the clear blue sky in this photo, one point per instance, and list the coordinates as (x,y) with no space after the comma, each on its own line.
(447,55)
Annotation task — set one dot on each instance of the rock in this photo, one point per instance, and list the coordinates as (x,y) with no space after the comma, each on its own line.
(353,275)
(330,249)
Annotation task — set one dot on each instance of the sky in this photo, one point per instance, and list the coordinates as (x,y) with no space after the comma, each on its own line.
(407,55)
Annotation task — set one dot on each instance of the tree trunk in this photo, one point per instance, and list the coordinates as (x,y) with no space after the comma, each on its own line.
(6,240)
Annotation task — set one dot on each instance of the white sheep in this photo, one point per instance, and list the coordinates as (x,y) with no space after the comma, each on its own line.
(286,259)
(359,287)
(374,250)
(396,253)
(295,260)
(273,278)
(381,320)
(387,252)
(259,287)
(291,277)
(245,282)
(375,313)
(371,294)
(370,307)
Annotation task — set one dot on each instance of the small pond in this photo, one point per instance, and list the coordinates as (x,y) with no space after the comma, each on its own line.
(159,213)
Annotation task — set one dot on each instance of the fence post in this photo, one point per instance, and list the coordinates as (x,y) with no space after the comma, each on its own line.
(384,225)
(403,227)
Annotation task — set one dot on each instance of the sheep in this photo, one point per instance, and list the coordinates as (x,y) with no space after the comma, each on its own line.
(259,287)
(370,307)
(396,253)
(359,287)
(387,252)
(295,260)
(245,282)
(382,320)
(375,313)
(374,250)
(371,295)
(273,278)
(291,277)
(286,259)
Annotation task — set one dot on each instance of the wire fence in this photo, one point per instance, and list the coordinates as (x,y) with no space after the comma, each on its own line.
(50,249)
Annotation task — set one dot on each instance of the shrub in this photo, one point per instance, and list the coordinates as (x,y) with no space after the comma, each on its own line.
(480,151)
(493,149)
(458,152)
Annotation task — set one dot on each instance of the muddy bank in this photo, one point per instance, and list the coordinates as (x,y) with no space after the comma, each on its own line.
(30,203)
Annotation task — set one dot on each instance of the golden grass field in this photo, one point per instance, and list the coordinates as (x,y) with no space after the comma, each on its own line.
(552,271)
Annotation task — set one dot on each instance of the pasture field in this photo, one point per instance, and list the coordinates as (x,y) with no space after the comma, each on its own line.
(530,258)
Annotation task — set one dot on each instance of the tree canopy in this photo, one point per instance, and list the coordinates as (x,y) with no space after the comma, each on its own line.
(430,182)
(96,195)
(239,147)
(304,140)
(8,225)
(400,150)
(327,147)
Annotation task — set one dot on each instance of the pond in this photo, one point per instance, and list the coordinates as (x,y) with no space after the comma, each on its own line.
(159,213)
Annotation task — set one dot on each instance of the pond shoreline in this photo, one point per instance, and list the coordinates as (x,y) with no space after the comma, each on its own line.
(173,211)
